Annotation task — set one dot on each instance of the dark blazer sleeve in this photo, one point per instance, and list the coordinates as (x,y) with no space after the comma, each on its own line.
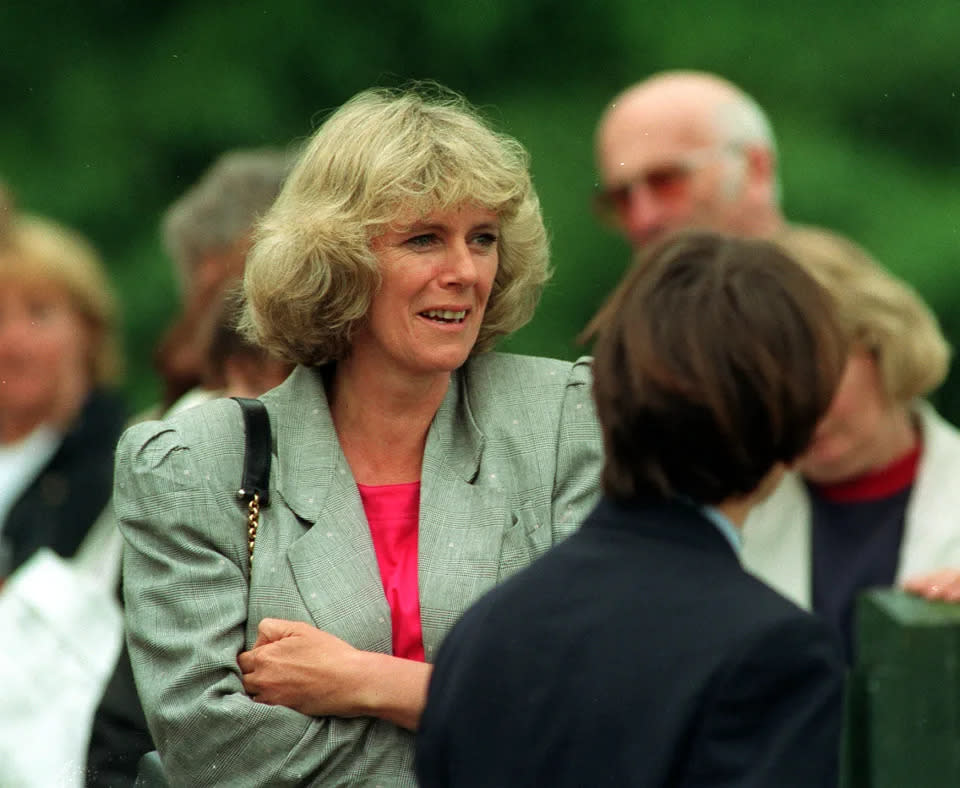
(773,716)
(438,754)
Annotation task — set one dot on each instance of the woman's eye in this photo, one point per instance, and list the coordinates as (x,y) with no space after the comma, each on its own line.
(486,240)
(40,310)
(422,241)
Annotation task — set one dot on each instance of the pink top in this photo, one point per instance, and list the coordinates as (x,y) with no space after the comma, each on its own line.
(393,512)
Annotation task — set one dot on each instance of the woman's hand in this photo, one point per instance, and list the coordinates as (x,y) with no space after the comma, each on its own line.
(296,665)
(943,584)
(311,671)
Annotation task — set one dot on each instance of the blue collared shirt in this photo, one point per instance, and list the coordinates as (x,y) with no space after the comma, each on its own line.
(725,526)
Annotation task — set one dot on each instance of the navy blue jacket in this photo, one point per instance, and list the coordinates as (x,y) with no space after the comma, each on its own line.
(636,653)
(65,499)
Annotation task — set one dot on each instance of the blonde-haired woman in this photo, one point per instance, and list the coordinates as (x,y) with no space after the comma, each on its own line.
(874,500)
(411,470)
(60,416)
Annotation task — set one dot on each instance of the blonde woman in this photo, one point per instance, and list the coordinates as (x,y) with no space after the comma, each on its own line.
(60,418)
(60,415)
(873,501)
(412,468)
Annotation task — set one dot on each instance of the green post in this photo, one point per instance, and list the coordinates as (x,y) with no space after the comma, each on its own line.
(903,716)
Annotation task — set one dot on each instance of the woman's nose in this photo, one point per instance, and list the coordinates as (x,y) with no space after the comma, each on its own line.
(460,267)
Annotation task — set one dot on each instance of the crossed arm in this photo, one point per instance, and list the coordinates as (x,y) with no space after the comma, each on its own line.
(311,671)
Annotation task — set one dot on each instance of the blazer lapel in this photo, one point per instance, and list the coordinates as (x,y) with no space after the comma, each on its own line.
(334,564)
(461,523)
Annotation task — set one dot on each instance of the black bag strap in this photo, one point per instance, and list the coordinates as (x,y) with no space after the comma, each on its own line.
(256,460)
(255,485)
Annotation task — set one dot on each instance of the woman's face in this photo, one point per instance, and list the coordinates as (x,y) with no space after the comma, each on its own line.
(437,273)
(844,443)
(45,348)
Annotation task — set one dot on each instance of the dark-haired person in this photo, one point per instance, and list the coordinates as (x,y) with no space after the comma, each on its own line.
(639,652)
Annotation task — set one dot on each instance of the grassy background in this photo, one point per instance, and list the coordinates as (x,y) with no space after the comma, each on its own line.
(112,109)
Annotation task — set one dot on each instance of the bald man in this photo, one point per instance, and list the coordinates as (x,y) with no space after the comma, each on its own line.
(687,149)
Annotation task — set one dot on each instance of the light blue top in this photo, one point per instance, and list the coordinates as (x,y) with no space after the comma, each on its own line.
(725,526)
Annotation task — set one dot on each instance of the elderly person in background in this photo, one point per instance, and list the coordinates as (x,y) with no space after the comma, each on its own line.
(413,469)
(638,652)
(60,415)
(236,367)
(207,234)
(874,500)
(686,149)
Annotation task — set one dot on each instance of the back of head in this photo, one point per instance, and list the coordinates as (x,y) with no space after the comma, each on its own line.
(221,208)
(387,156)
(38,251)
(878,311)
(207,232)
(714,360)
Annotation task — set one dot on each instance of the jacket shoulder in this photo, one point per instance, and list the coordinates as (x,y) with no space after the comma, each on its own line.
(509,378)
(211,429)
(527,392)
(534,369)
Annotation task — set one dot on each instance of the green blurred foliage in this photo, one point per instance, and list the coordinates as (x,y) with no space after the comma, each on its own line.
(111,110)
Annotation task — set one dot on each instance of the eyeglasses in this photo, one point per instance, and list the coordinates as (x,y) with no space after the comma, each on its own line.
(667,182)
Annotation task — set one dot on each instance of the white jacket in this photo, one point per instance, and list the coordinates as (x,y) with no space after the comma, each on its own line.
(776,536)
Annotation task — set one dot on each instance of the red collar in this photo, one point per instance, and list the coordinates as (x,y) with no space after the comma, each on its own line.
(872,486)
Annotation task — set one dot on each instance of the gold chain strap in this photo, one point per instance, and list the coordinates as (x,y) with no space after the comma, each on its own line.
(253,521)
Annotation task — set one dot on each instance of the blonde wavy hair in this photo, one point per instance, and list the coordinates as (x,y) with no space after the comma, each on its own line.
(877,310)
(38,251)
(385,154)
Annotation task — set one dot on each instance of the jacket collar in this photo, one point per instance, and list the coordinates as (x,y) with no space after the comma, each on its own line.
(673,520)
(314,479)
(311,462)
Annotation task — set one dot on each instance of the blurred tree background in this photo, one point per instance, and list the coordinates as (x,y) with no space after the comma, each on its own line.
(112,109)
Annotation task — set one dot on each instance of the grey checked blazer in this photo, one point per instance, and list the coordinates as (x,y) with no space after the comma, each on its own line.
(511,466)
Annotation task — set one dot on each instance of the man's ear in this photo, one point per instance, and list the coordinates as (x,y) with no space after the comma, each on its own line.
(760,182)
(761,165)
(761,161)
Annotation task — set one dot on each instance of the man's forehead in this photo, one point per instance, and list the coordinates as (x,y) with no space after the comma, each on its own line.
(637,136)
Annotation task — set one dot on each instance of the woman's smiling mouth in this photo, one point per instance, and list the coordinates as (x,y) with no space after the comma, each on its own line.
(445,315)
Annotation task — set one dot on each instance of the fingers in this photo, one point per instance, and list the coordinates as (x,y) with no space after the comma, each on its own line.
(943,584)
(246,660)
(272,629)
(253,682)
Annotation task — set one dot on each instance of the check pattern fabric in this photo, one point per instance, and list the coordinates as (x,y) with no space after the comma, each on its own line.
(511,467)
